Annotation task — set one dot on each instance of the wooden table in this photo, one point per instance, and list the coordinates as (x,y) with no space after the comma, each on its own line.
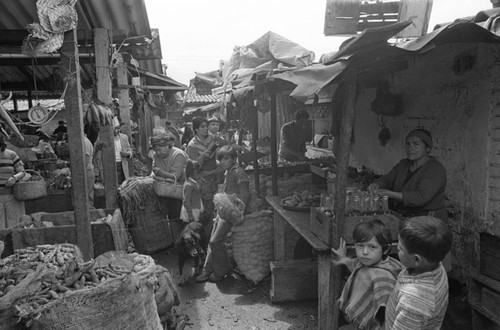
(327,285)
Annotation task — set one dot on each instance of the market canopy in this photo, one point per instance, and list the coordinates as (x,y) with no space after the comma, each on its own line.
(371,47)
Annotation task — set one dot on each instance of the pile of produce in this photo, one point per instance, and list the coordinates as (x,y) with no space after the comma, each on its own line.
(59,179)
(321,162)
(362,177)
(303,198)
(252,244)
(98,114)
(39,280)
(229,207)
(134,194)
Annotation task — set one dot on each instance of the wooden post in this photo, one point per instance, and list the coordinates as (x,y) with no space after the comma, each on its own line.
(274,143)
(346,126)
(121,73)
(70,67)
(255,137)
(142,124)
(103,77)
(30,99)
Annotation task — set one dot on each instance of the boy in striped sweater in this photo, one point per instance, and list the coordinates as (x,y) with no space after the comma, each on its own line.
(420,297)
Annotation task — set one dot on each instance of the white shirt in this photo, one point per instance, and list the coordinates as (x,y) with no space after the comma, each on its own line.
(118,149)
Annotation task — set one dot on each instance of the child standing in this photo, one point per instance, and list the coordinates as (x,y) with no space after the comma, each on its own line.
(192,205)
(217,264)
(420,297)
(373,275)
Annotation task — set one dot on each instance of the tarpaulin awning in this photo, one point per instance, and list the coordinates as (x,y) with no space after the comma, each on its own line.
(310,80)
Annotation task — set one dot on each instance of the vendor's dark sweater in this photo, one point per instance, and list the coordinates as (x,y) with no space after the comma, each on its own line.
(423,191)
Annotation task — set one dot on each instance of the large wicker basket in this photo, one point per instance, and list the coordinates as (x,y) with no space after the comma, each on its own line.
(30,190)
(170,189)
(151,230)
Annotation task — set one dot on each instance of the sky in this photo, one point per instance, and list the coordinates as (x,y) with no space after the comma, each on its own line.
(196,34)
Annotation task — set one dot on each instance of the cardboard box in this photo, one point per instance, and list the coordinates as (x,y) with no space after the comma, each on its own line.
(294,280)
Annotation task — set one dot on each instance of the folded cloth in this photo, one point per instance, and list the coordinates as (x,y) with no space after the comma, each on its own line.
(373,285)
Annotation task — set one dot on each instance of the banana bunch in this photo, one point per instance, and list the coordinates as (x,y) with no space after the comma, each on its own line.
(100,114)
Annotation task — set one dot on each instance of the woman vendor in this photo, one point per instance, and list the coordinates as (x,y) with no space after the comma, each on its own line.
(202,149)
(11,171)
(169,162)
(416,185)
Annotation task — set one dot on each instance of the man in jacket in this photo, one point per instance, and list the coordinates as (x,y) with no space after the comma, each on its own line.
(123,153)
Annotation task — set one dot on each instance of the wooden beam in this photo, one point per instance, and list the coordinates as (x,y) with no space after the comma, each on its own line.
(16,37)
(106,134)
(274,143)
(74,116)
(255,137)
(142,125)
(346,126)
(150,87)
(121,73)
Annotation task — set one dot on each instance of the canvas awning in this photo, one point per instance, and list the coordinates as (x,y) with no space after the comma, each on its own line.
(373,44)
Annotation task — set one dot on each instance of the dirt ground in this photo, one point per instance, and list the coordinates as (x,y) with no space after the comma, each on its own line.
(235,303)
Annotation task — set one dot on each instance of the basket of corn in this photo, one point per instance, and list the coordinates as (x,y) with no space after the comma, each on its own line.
(34,188)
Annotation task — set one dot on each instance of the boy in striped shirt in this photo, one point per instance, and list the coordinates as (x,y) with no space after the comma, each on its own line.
(420,297)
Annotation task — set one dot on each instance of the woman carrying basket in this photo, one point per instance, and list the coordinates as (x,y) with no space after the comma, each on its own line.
(11,171)
(169,162)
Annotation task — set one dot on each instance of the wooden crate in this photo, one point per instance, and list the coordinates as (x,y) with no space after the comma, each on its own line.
(102,237)
(319,223)
(490,300)
(293,280)
(483,296)
(490,255)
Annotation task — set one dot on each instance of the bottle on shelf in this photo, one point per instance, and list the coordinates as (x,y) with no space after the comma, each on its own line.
(385,205)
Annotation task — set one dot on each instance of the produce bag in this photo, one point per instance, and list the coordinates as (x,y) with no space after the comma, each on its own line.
(166,295)
(253,246)
(114,291)
(229,207)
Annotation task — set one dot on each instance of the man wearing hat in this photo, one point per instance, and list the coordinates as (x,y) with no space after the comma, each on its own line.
(213,125)
(60,130)
(169,162)
(123,152)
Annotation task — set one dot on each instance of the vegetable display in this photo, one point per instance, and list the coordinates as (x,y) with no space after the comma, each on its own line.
(303,198)
(34,278)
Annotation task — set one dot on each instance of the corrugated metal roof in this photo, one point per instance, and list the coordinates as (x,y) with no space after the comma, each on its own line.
(196,98)
(127,16)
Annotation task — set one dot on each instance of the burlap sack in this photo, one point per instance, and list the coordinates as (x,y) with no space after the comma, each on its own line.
(116,304)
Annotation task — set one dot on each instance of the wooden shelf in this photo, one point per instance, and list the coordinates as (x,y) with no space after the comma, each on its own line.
(482,304)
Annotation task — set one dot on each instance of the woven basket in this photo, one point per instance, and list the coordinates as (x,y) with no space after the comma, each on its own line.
(29,190)
(168,189)
(151,231)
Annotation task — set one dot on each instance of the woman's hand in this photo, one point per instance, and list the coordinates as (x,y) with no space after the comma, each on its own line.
(373,187)
(159,172)
(389,193)
(340,254)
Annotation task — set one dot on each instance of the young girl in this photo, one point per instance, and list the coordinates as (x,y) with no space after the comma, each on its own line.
(373,275)
(192,205)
